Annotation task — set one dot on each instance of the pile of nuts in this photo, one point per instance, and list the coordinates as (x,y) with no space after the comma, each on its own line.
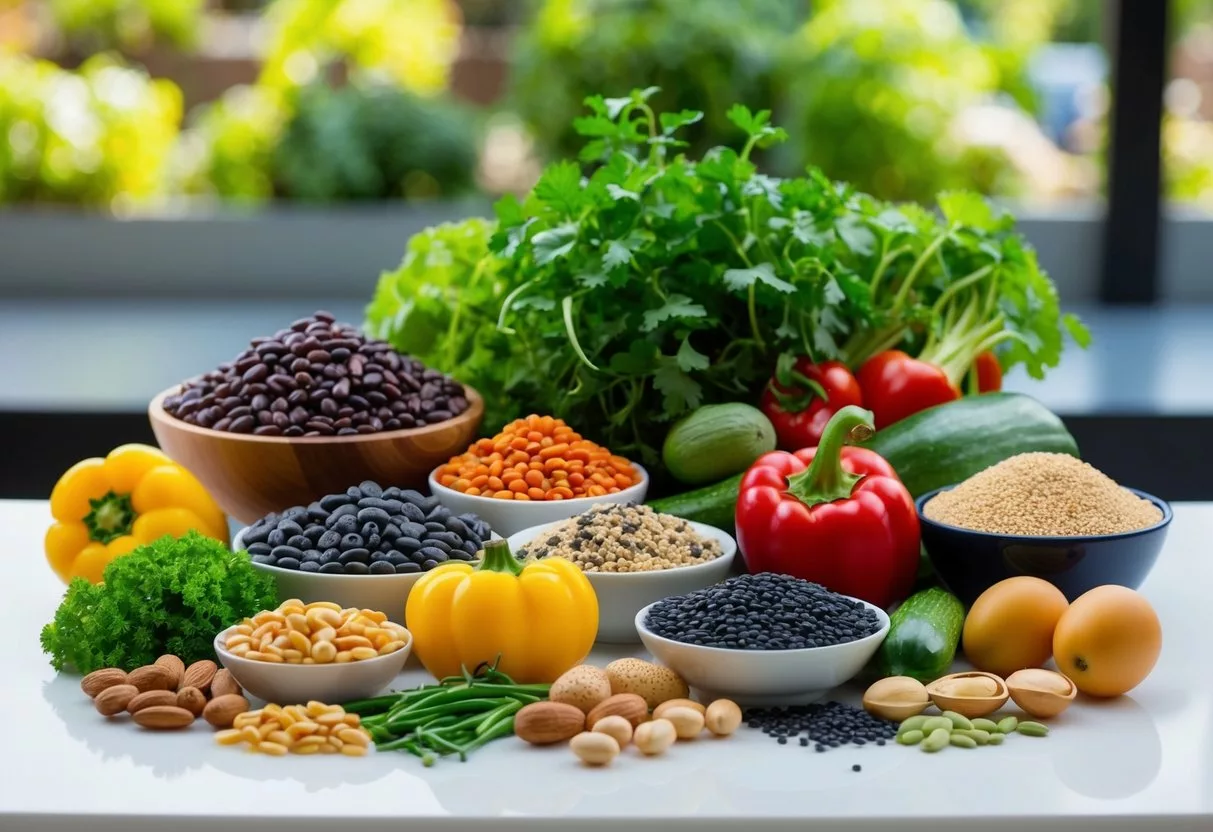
(167,695)
(314,728)
(599,724)
(317,633)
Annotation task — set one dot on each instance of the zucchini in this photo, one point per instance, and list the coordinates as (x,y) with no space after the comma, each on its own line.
(951,442)
(936,447)
(716,441)
(923,635)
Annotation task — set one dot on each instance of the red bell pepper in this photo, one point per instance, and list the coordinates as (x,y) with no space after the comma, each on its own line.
(989,373)
(831,514)
(895,386)
(802,396)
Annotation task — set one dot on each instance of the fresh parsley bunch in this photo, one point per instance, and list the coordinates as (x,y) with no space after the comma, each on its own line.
(170,596)
(640,284)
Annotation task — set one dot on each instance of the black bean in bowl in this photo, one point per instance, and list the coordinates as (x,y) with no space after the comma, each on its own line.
(366,530)
(766,611)
(318,378)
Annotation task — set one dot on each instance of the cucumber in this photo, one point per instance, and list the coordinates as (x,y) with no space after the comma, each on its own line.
(716,441)
(713,504)
(945,444)
(923,635)
(936,447)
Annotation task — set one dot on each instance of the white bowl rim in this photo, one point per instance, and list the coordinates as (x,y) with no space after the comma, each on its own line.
(726,557)
(532,505)
(641,629)
(223,653)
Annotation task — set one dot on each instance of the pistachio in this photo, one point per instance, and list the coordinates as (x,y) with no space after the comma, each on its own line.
(958,720)
(936,741)
(896,697)
(937,722)
(972,694)
(1033,729)
(987,725)
(961,741)
(1008,724)
(1041,693)
(910,737)
(914,723)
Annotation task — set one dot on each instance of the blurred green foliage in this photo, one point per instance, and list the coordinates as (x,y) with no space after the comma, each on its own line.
(374,142)
(704,55)
(130,25)
(229,147)
(92,137)
(878,84)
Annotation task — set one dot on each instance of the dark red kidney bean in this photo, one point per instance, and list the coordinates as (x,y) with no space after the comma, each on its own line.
(372,379)
(345,410)
(244,424)
(279,406)
(300,324)
(265,417)
(258,372)
(245,364)
(298,416)
(282,420)
(343,422)
(237,412)
(297,398)
(324,428)
(222,424)
(268,430)
(328,406)
(376,398)
(319,356)
(347,432)
(342,388)
(357,364)
(303,381)
(260,402)
(293,430)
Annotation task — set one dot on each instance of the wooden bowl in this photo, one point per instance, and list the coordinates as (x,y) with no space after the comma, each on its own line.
(252,476)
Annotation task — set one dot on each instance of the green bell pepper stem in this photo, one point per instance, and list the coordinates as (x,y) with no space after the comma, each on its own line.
(825,480)
(499,558)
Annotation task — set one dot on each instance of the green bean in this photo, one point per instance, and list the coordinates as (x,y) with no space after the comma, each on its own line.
(408,720)
(506,711)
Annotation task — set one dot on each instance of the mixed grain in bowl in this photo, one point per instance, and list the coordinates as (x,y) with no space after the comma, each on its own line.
(615,538)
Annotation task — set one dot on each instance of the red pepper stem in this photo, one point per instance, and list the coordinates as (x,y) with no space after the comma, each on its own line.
(499,558)
(825,480)
(806,389)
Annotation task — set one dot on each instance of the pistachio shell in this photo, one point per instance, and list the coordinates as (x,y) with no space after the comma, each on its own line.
(972,694)
(1041,693)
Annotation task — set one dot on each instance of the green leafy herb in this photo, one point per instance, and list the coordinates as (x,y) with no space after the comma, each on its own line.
(169,596)
(621,295)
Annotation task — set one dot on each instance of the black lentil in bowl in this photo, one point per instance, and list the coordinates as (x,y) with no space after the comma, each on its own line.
(766,611)
(318,378)
(366,530)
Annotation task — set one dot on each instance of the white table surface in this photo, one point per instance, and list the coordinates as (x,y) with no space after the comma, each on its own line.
(1144,761)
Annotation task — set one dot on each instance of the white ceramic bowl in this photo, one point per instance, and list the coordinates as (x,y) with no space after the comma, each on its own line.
(765,677)
(506,517)
(333,684)
(622,594)
(386,593)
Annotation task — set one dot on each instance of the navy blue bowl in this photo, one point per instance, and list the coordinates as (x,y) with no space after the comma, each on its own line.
(969,562)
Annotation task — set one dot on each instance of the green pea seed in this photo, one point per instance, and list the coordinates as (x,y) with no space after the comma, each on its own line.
(976,734)
(996,738)
(1033,729)
(1007,724)
(961,741)
(914,723)
(936,741)
(987,725)
(910,737)
(935,723)
(958,720)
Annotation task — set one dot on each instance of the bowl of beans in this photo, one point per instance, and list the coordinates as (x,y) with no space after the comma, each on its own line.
(308,410)
(1051,516)
(363,547)
(321,651)
(632,557)
(764,639)
(537,470)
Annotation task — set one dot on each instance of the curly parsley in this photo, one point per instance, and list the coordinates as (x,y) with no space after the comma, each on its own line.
(169,596)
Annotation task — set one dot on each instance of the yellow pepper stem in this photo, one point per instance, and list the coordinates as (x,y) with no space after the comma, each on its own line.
(499,558)
(111,517)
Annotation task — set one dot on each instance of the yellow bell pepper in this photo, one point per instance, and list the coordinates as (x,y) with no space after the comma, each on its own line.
(534,619)
(104,508)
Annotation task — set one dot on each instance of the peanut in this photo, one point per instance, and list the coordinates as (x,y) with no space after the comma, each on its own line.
(316,633)
(594,749)
(314,729)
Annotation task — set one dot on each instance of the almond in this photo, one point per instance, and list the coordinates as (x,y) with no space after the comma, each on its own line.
(224,683)
(151,677)
(222,710)
(99,680)
(174,666)
(192,699)
(151,698)
(544,723)
(113,700)
(630,706)
(163,717)
(199,675)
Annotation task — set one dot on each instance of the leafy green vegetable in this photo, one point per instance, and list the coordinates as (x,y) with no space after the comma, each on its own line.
(169,596)
(621,296)
(99,134)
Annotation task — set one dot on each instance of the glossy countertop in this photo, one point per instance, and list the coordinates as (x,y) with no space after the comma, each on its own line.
(1144,761)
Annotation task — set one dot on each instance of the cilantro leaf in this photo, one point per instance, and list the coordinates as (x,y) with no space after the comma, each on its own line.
(554,243)
(681,392)
(690,358)
(559,189)
(675,306)
(740,280)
